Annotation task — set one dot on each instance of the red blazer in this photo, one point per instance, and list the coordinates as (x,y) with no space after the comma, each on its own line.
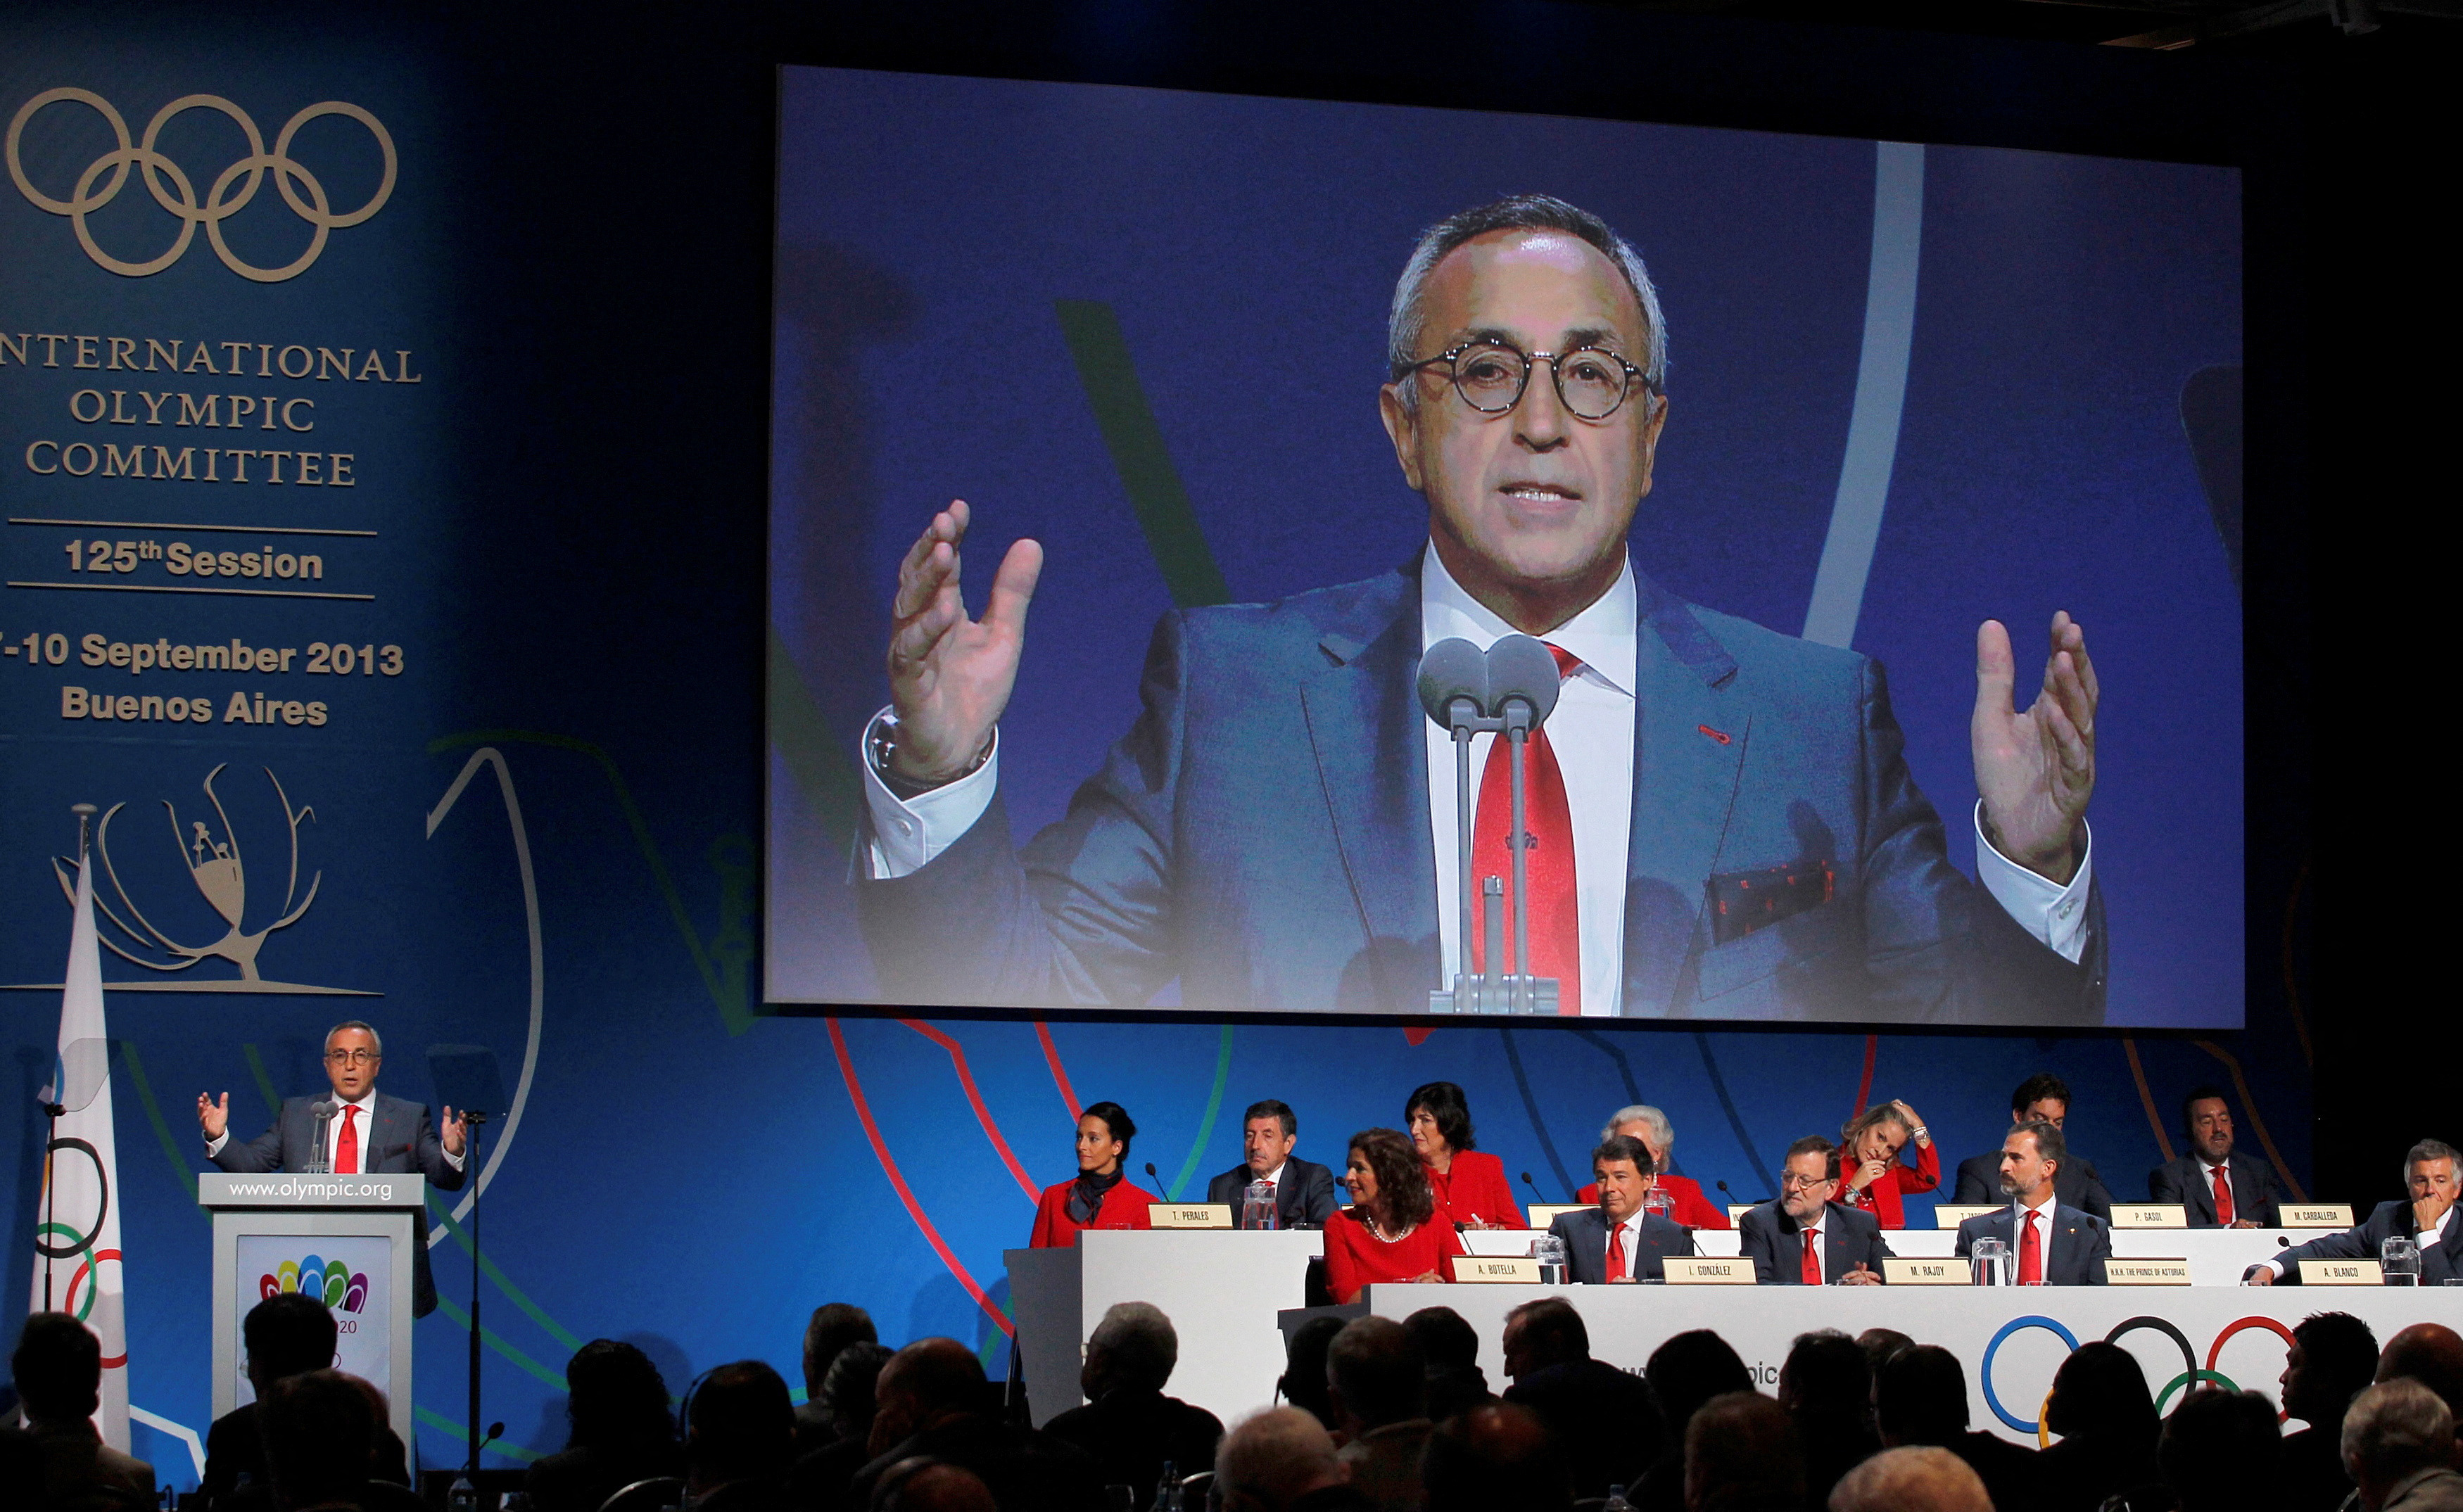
(1692,1208)
(1124,1204)
(1355,1258)
(1881,1197)
(1474,1188)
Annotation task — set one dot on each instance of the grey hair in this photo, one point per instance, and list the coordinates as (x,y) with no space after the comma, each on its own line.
(2396,1427)
(1140,1339)
(1914,1476)
(1274,1456)
(1662,1132)
(1537,212)
(2431,1150)
(363,1026)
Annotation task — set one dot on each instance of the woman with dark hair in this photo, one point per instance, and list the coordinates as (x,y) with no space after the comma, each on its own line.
(1101,1196)
(1470,1187)
(2108,1426)
(1392,1230)
(621,1431)
(1872,1175)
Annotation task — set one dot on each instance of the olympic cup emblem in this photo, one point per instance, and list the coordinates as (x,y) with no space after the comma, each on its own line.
(231,192)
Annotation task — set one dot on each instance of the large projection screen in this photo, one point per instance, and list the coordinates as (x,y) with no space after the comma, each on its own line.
(1907,390)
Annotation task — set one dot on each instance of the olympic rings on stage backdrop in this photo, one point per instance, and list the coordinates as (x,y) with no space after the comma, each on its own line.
(222,200)
(2191,1371)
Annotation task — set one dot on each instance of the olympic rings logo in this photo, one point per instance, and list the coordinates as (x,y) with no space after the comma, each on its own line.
(2191,1371)
(172,188)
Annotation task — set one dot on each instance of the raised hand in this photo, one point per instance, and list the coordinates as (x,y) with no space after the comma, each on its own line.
(213,1117)
(452,1130)
(1914,1120)
(2035,770)
(950,675)
(1866,1174)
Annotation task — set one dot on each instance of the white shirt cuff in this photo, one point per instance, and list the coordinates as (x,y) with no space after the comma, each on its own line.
(2054,913)
(451,1158)
(214,1147)
(907,832)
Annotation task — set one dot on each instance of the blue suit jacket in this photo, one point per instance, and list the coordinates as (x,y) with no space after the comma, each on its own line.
(1587,1245)
(1849,1239)
(1262,835)
(2184,1179)
(400,1140)
(2437,1261)
(2081,1242)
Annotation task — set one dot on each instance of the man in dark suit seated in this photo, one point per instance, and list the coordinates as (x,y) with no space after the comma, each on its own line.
(1128,1425)
(2051,1243)
(1303,1190)
(57,1367)
(1606,1421)
(1643,1239)
(2041,1099)
(1920,1397)
(2221,1187)
(1377,1379)
(1801,1237)
(2333,1358)
(2427,1218)
(285,1335)
(932,1400)
(367,1133)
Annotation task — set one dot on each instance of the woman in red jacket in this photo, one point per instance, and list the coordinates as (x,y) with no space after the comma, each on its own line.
(1685,1202)
(1469,1187)
(1868,1159)
(1098,1199)
(1392,1231)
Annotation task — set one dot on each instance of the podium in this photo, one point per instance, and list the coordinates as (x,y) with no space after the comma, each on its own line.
(349,1239)
(1222,1288)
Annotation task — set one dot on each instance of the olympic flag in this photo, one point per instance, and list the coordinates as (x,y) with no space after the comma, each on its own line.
(76,1235)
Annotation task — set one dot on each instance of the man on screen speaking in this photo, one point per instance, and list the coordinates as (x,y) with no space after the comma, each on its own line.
(1722,820)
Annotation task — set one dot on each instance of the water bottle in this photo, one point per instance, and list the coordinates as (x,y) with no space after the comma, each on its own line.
(2399,1260)
(1549,1251)
(463,1497)
(1167,1489)
(1992,1262)
(1257,1205)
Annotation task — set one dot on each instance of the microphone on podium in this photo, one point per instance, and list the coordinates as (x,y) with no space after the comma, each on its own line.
(1534,1186)
(1150,1173)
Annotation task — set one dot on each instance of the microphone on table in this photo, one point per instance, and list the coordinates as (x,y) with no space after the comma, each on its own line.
(1150,1173)
(1535,1187)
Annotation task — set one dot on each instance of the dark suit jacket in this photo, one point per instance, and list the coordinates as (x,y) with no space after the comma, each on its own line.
(1026,1471)
(1606,1421)
(2074,1181)
(2185,1180)
(1849,1239)
(1587,1245)
(400,1140)
(2081,1242)
(2364,1242)
(1261,834)
(1132,1435)
(1305,1194)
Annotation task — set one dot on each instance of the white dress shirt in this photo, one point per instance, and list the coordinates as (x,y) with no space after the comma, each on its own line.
(2043,1234)
(1592,733)
(365,1123)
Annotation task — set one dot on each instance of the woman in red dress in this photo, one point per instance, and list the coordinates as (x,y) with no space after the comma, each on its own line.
(1685,1202)
(1469,1187)
(1392,1231)
(1868,1159)
(1098,1199)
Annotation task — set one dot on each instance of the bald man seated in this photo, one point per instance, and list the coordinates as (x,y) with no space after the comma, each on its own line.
(1282,1459)
(1912,1480)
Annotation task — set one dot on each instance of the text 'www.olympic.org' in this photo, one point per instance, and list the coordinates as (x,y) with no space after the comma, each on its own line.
(380,1191)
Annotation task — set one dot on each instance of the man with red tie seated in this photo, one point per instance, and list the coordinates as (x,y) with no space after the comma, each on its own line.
(1470,1187)
(1392,1231)
(1621,1239)
(1801,1237)
(1101,1196)
(2051,1243)
(1676,1197)
(368,1133)
(2220,1186)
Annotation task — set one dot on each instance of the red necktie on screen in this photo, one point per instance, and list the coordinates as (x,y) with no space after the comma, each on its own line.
(1812,1259)
(346,1148)
(1616,1253)
(2223,1197)
(2031,1255)
(1556,913)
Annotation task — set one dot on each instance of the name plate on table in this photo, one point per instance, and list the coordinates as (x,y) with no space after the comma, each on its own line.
(1949,1214)
(308,1189)
(1544,1214)
(1705,1271)
(2151,1215)
(2140,1271)
(1189,1215)
(2342,1273)
(1906,1271)
(2316,1215)
(1497,1268)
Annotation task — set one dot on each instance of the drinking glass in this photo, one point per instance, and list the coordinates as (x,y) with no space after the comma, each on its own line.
(1549,1251)
(2400,1259)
